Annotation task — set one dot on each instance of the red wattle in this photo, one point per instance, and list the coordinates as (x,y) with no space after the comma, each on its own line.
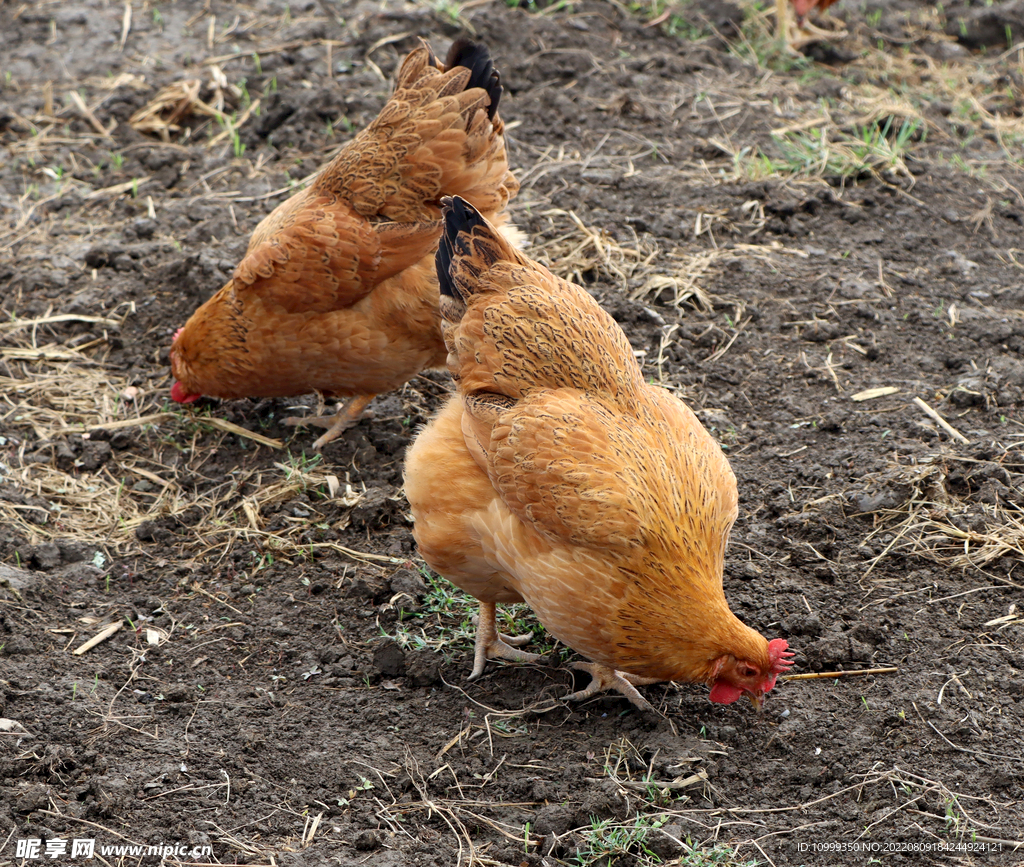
(179,394)
(724,692)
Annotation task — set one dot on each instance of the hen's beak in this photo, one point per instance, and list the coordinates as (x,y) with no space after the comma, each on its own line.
(757,700)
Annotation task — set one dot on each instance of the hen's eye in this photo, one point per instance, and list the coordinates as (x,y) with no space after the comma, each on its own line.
(747,671)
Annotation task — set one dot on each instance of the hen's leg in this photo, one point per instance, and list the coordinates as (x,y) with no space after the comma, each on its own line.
(783,29)
(347,414)
(491,644)
(604,678)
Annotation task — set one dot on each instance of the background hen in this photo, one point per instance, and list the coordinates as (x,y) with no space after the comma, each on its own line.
(558,476)
(337,291)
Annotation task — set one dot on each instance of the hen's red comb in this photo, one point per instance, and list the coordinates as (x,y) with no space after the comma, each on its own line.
(176,333)
(779,655)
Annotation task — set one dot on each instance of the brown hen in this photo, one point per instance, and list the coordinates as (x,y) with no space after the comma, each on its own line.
(557,476)
(337,292)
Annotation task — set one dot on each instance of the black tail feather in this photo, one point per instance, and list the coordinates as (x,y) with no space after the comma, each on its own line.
(459,216)
(475,57)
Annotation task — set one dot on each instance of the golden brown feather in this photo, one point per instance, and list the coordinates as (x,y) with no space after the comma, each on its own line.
(558,476)
(337,292)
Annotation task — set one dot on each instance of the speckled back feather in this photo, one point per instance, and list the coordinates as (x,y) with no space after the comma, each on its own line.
(538,331)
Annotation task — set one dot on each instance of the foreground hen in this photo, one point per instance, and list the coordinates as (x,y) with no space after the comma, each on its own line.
(557,476)
(337,292)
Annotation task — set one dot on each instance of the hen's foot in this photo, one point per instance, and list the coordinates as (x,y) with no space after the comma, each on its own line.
(491,644)
(806,33)
(796,35)
(604,679)
(347,414)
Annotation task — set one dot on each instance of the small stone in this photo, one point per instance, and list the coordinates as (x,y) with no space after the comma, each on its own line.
(389,659)
(375,509)
(330,655)
(408,582)
(367,841)
(360,588)
(46,556)
(177,693)
(875,501)
(18,645)
(553,819)
(19,579)
(992,492)
(423,668)
(803,624)
(122,439)
(31,798)
(665,842)
(868,633)
(749,571)
(80,574)
(144,228)
(820,332)
(94,455)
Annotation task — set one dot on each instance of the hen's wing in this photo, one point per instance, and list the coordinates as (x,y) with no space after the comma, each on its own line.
(318,255)
(561,462)
(580,470)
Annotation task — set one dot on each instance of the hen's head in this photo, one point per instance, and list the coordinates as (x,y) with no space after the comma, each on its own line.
(734,677)
(180,391)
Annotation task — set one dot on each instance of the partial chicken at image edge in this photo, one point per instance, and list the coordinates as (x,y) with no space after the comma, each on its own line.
(337,292)
(558,477)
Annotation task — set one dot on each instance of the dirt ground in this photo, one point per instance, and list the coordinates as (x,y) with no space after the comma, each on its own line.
(777,235)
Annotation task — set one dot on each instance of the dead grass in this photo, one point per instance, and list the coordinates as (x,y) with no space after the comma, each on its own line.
(581,254)
(458,808)
(58,392)
(164,114)
(879,111)
(940,522)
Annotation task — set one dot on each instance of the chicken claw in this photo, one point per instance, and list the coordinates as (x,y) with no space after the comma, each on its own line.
(491,644)
(604,678)
(348,413)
